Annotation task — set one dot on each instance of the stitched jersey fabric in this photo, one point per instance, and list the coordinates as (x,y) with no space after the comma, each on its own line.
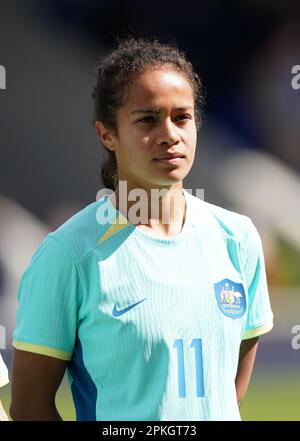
(151,327)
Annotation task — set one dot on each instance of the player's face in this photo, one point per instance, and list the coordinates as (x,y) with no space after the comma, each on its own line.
(156,120)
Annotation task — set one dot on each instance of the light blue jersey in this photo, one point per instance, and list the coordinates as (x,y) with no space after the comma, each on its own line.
(151,326)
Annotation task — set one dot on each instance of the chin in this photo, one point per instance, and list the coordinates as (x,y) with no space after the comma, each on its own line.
(170,180)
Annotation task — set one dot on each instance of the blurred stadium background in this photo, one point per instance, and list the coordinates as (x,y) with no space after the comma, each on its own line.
(248,153)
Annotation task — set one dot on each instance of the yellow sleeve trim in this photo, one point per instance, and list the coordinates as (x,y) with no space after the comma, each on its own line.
(42,350)
(255,332)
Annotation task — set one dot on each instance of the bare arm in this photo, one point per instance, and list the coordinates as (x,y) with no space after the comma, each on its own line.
(247,356)
(35,380)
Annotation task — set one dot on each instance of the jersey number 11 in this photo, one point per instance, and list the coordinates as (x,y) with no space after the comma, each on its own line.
(197,345)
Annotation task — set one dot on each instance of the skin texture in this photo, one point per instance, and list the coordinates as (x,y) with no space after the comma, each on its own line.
(35,380)
(141,137)
(247,356)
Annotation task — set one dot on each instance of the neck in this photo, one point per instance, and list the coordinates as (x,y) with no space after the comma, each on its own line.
(162,209)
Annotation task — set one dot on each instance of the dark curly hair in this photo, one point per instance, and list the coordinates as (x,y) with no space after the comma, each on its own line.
(117,70)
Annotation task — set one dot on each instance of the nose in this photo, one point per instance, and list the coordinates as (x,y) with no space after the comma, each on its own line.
(167,134)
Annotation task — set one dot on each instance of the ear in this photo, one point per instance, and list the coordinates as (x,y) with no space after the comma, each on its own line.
(105,136)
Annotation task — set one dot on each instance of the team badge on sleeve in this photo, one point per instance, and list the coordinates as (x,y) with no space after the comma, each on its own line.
(231,298)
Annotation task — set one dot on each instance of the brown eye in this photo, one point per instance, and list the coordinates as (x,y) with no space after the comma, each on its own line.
(147,120)
(182,118)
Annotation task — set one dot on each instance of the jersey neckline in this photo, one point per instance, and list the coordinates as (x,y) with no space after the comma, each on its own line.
(148,236)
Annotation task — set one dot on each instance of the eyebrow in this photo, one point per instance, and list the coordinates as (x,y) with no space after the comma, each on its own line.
(158,110)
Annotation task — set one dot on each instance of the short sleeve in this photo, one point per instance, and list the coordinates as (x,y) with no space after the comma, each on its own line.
(260,316)
(49,297)
(3,373)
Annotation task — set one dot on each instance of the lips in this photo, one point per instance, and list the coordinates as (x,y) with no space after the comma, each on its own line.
(169,156)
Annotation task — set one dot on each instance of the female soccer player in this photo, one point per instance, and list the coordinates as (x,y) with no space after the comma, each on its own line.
(156,319)
(3,381)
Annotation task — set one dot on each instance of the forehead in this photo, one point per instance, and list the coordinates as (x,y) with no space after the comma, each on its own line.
(159,87)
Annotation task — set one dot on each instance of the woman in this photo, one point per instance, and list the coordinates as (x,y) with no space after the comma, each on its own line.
(3,381)
(154,305)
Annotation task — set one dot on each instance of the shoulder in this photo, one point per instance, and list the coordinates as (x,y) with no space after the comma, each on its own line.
(230,224)
(80,233)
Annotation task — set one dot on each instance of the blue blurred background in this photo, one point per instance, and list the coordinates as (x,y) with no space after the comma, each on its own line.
(248,152)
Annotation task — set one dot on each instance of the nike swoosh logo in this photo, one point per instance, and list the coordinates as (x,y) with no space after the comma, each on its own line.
(117,312)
